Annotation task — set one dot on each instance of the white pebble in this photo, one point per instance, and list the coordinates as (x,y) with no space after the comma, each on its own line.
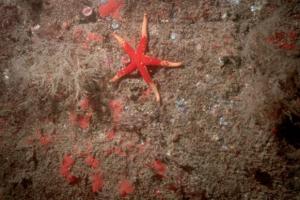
(35,28)
(221,61)
(173,36)
(235,2)
(222,121)
(115,25)
(224,16)
(255,8)
(103,1)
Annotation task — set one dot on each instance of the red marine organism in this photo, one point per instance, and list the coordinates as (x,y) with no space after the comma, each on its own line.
(139,61)
(97,182)
(125,188)
(65,169)
(111,8)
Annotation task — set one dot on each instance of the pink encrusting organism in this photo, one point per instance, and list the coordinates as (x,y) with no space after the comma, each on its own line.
(44,139)
(97,182)
(110,135)
(84,104)
(87,11)
(94,37)
(116,106)
(125,188)
(283,40)
(159,168)
(111,8)
(83,121)
(65,169)
(92,161)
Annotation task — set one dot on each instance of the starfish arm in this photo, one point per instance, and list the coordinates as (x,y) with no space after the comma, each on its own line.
(142,45)
(144,26)
(126,70)
(157,62)
(127,48)
(146,76)
(155,90)
(144,41)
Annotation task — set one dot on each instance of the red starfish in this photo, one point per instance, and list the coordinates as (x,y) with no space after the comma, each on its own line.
(138,60)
